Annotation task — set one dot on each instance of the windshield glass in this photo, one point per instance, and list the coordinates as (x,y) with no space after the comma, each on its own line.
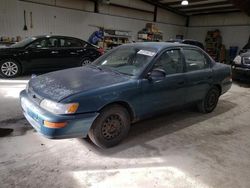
(127,60)
(23,42)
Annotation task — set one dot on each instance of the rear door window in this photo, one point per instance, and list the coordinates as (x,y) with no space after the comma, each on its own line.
(71,43)
(195,60)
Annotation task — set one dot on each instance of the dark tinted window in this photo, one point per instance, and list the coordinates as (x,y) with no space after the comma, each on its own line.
(195,60)
(23,42)
(170,61)
(68,42)
(45,43)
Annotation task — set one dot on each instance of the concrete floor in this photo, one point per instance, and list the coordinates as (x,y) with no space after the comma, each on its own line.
(180,149)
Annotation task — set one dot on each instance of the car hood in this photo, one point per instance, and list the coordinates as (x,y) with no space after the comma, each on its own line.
(61,84)
(246,54)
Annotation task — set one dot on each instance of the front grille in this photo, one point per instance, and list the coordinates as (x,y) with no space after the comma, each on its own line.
(246,60)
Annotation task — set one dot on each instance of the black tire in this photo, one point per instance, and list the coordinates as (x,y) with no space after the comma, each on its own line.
(110,127)
(209,103)
(85,61)
(9,68)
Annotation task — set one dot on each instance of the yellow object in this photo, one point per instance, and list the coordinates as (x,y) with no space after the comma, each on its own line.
(54,125)
(73,108)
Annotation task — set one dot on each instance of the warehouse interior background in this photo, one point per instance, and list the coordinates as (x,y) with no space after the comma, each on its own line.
(179,149)
(78,18)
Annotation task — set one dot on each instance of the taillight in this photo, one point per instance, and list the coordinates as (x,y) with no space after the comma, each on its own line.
(101,50)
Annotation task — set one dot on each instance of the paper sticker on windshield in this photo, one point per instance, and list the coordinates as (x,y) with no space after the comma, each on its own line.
(145,52)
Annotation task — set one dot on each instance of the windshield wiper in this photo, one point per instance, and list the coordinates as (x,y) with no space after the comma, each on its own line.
(118,72)
(96,67)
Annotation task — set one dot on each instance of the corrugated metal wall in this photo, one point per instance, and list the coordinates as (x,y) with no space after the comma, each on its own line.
(234,27)
(66,21)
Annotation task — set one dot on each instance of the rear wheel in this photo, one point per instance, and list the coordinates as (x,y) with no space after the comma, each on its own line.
(10,68)
(209,103)
(86,61)
(110,127)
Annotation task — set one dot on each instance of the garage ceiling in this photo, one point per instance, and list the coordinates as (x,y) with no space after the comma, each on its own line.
(197,7)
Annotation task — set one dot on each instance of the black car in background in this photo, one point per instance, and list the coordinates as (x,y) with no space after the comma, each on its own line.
(187,41)
(46,53)
(241,64)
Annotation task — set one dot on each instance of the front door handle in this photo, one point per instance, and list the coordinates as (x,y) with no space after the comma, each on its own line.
(73,53)
(54,52)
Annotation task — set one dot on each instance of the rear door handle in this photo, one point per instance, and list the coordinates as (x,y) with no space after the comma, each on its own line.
(73,53)
(54,52)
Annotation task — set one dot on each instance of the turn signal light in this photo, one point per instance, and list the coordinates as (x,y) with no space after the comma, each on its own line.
(54,125)
(72,108)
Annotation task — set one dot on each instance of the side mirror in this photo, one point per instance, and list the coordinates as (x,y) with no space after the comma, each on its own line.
(157,74)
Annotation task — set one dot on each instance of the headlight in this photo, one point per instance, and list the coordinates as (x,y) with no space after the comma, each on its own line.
(246,60)
(237,60)
(59,108)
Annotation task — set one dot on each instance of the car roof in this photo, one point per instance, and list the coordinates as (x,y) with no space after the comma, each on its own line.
(49,36)
(157,45)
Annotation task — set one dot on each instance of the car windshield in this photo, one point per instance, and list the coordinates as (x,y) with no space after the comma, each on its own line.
(127,60)
(23,42)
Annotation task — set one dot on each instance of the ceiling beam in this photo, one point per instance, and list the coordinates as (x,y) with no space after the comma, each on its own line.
(205,5)
(216,12)
(243,5)
(163,6)
(179,2)
(211,9)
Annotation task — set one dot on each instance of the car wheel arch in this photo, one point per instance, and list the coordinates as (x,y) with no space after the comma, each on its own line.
(125,105)
(218,86)
(12,59)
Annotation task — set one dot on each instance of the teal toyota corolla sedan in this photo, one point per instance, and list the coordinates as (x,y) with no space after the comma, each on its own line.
(128,84)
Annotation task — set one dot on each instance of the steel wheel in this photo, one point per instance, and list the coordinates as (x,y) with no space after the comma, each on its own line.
(209,103)
(111,127)
(9,69)
(212,100)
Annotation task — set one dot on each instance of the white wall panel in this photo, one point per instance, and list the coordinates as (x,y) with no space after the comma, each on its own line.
(169,17)
(119,11)
(231,35)
(76,4)
(134,4)
(234,27)
(62,21)
(220,19)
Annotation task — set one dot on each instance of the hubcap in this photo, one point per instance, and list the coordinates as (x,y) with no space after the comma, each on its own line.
(9,68)
(111,127)
(85,62)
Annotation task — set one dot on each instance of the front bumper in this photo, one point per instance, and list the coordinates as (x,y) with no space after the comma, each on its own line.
(78,125)
(241,73)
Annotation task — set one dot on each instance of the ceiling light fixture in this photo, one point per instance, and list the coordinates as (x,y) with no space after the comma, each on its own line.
(185,2)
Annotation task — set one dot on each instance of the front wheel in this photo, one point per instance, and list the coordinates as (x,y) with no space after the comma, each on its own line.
(10,68)
(209,103)
(110,127)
